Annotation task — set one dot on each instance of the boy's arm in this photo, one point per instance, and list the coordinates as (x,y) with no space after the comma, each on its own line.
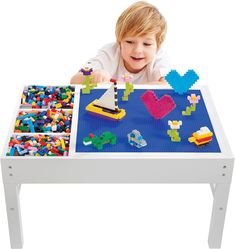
(98,76)
(106,59)
(104,65)
(161,81)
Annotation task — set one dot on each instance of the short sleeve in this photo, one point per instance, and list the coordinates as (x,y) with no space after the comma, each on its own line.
(161,63)
(107,58)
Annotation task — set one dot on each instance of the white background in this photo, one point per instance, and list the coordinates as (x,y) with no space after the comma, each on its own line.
(45,42)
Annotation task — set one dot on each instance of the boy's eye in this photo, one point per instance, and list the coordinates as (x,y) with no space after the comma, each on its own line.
(147,44)
(130,42)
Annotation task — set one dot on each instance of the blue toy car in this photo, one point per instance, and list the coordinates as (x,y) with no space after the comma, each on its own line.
(135,139)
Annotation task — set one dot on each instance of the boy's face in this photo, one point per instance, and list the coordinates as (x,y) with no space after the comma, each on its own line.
(137,52)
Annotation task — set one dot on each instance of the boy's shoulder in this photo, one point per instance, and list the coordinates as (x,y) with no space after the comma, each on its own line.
(161,54)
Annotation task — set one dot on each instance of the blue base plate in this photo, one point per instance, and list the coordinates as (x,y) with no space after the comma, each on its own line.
(137,117)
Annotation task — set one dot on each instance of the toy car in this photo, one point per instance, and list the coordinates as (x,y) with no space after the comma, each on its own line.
(201,137)
(135,139)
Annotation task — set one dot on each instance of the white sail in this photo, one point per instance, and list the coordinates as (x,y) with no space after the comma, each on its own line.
(107,100)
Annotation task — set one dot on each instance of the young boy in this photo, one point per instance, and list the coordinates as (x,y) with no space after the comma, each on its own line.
(140,31)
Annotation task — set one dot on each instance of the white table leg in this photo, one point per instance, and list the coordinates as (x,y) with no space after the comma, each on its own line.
(14,215)
(221,193)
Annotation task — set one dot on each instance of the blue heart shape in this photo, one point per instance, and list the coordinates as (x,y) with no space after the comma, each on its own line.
(179,83)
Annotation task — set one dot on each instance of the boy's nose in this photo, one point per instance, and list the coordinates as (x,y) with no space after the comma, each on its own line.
(138,48)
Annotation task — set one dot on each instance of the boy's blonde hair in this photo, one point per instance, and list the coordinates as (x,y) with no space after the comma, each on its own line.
(141,18)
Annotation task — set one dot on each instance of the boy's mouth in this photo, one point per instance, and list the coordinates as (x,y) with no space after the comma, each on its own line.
(137,58)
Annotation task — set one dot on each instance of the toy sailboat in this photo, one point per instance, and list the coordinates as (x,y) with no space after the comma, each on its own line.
(107,104)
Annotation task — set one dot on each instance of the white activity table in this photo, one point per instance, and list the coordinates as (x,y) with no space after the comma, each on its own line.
(212,168)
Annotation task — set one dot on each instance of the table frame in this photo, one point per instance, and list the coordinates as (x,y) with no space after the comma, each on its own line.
(213,168)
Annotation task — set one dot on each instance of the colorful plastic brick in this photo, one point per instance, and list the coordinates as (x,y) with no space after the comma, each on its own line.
(43,97)
(107,104)
(89,85)
(193,100)
(98,141)
(50,120)
(135,139)
(173,133)
(127,77)
(201,137)
(38,145)
(129,86)
(158,108)
(181,84)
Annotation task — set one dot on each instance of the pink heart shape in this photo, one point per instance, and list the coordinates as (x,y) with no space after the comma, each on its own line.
(158,108)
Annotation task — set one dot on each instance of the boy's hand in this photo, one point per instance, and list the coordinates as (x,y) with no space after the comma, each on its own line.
(161,81)
(78,78)
(100,76)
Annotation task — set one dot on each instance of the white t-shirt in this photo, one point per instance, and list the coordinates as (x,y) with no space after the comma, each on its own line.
(109,59)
